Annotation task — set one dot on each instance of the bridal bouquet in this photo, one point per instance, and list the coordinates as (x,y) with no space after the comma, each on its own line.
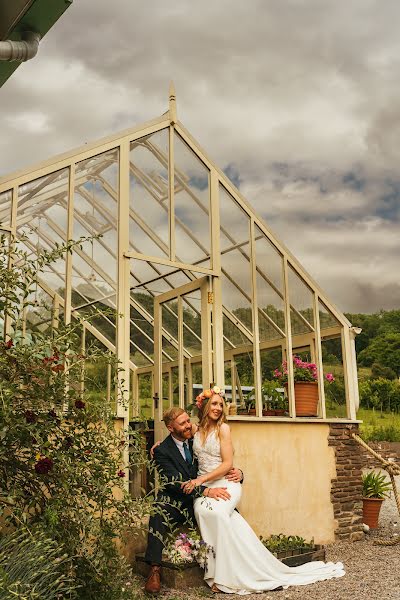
(188,548)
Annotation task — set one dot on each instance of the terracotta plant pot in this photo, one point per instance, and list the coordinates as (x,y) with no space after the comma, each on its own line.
(252,412)
(279,412)
(306,398)
(241,411)
(371,510)
(268,412)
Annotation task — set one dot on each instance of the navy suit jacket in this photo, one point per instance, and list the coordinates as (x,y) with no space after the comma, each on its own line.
(174,469)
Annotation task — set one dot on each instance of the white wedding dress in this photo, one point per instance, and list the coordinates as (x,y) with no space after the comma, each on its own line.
(242,564)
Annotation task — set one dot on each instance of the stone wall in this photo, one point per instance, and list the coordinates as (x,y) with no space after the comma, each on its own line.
(388,450)
(346,487)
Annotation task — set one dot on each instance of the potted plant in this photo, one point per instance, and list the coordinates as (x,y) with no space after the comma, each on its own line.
(305,385)
(250,404)
(280,406)
(270,398)
(375,489)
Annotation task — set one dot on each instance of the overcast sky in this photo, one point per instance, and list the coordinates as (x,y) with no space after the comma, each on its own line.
(298,101)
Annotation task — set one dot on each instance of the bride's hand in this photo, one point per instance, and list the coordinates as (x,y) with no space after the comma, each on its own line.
(188,486)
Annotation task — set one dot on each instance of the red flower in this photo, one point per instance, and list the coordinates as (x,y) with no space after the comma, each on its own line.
(121,473)
(58,368)
(30,416)
(44,466)
(68,442)
(9,344)
(80,404)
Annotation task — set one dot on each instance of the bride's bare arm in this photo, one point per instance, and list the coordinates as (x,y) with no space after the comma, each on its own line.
(224,467)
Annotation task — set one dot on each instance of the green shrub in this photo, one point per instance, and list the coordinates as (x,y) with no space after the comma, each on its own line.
(382,433)
(61,457)
(33,567)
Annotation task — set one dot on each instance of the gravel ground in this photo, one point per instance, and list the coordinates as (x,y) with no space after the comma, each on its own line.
(372,572)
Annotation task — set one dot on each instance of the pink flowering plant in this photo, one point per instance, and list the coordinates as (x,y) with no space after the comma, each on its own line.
(187,548)
(302,371)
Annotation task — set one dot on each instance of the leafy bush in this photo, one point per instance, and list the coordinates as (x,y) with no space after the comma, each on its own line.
(383,433)
(61,457)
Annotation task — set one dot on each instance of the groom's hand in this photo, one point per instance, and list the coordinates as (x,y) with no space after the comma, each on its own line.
(218,493)
(234,475)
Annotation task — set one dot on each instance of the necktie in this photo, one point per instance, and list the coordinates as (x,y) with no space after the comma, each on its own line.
(188,456)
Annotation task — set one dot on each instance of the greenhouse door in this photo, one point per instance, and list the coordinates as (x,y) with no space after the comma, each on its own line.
(182,348)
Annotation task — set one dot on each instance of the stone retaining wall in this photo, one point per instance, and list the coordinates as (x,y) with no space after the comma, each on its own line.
(388,451)
(346,487)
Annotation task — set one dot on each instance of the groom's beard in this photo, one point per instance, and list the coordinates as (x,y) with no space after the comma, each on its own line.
(182,436)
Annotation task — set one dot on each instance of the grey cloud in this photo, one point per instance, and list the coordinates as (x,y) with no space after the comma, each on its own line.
(296,100)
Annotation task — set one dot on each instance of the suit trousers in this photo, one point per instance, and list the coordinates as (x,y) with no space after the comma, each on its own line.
(161,523)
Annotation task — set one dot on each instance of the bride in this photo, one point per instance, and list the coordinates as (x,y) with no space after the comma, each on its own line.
(241,564)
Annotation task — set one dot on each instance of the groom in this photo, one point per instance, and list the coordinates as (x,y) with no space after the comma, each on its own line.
(174,460)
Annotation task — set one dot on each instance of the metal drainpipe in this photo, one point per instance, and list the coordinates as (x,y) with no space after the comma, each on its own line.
(20,51)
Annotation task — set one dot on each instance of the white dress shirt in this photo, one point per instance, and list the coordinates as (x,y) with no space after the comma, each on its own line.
(179,444)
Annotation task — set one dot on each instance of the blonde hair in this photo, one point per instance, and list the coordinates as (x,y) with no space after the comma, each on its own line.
(171,414)
(204,420)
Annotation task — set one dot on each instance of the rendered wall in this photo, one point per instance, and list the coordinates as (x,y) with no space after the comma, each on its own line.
(288,470)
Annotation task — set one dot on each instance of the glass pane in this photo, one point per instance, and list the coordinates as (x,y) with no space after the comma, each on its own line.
(269,261)
(141,339)
(235,261)
(274,400)
(169,313)
(233,337)
(149,198)
(302,303)
(5,208)
(39,315)
(191,304)
(271,314)
(145,399)
(326,318)
(187,394)
(166,400)
(103,316)
(244,383)
(98,372)
(234,222)
(197,379)
(192,200)
(42,218)
(175,386)
(334,381)
(95,214)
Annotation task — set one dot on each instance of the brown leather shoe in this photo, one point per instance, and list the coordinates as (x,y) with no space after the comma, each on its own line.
(153,582)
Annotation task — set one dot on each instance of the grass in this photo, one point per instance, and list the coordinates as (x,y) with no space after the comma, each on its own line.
(379,426)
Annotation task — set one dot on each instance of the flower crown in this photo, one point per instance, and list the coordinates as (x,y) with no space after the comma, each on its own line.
(203,398)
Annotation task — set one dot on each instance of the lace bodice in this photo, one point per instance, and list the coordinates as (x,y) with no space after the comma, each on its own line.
(209,455)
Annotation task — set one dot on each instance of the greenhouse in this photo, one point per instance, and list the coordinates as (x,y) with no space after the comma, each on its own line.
(188,287)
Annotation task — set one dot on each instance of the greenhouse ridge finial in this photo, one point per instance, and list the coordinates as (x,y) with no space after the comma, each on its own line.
(172,103)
